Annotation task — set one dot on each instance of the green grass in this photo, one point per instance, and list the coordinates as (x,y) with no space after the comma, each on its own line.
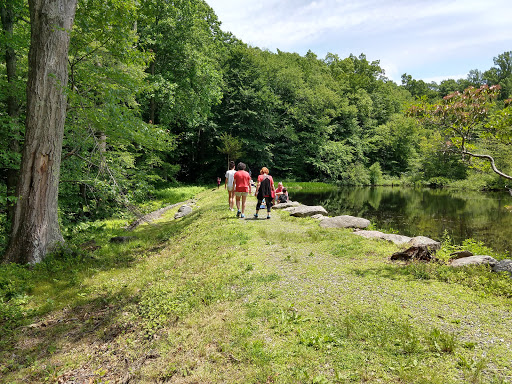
(313,187)
(172,195)
(211,298)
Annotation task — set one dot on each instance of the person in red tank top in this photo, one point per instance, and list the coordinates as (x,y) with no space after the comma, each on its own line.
(242,187)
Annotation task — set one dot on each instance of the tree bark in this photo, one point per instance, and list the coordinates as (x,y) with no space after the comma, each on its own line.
(35,230)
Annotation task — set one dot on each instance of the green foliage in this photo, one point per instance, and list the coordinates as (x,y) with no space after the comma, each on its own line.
(375,174)
(418,88)
(312,187)
(395,144)
(469,121)
(14,281)
(111,157)
(501,74)
(15,285)
(334,159)
(176,194)
(184,76)
(231,147)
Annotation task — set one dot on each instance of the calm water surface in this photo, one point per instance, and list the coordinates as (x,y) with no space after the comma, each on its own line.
(427,212)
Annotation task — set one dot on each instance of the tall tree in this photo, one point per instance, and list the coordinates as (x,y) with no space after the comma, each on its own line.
(501,74)
(109,153)
(231,147)
(185,39)
(35,230)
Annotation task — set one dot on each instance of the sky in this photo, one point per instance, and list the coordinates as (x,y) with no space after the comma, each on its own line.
(431,40)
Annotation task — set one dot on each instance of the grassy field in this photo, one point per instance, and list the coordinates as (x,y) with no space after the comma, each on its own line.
(210,298)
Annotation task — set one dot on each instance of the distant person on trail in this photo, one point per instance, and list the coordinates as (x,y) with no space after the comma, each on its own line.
(283,196)
(264,190)
(242,186)
(279,192)
(229,184)
(218,182)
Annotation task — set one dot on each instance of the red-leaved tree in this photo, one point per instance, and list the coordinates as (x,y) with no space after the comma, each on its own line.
(465,117)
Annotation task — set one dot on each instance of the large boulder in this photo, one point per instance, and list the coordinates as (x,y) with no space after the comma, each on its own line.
(503,266)
(397,239)
(474,260)
(344,221)
(183,211)
(306,210)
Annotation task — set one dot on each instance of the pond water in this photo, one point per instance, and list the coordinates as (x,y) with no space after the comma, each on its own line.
(422,211)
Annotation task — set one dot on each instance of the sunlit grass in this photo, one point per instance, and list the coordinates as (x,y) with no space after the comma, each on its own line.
(212,298)
(171,195)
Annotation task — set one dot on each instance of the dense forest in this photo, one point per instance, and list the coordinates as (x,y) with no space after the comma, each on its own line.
(158,93)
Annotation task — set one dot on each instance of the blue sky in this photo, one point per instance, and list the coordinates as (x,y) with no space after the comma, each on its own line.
(431,40)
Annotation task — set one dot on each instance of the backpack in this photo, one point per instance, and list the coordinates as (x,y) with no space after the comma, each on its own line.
(264,189)
(282,198)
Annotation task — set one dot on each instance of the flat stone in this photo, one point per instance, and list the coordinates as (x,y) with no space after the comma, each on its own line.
(306,210)
(319,217)
(397,239)
(288,204)
(474,260)
(345,221)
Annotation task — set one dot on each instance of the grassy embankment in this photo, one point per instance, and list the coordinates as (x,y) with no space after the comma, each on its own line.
(214,299)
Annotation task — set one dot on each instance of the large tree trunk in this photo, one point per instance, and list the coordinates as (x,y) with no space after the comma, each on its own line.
(35,229)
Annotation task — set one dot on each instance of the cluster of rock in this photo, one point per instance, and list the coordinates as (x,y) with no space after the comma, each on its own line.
(417,248)
(158,213)
(184,210)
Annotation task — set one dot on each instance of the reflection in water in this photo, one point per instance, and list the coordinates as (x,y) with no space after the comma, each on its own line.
(422,211)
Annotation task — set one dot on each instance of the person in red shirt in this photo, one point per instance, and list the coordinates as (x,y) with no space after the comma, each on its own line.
(279,190)
(242,186)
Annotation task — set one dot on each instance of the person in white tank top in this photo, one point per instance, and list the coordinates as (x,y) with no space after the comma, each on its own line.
(229,184)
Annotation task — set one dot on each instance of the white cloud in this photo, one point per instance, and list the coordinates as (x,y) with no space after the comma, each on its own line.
(425,39)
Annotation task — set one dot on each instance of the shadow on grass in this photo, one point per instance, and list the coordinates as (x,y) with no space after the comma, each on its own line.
(40,351)
(62,317)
